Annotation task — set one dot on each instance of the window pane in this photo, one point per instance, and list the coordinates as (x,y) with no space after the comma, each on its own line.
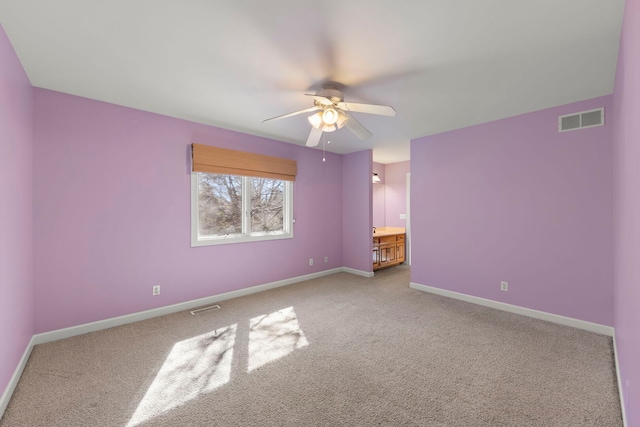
(219,204)
(267,205)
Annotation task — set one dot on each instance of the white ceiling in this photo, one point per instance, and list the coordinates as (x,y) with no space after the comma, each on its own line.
(442,64)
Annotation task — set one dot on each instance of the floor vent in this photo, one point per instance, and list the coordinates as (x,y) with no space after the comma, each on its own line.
(203,309)
(581,120)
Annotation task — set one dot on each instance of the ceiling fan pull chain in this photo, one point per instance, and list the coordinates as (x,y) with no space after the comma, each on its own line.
(324,141)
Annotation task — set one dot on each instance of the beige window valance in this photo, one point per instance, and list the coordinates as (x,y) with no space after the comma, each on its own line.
(223,160)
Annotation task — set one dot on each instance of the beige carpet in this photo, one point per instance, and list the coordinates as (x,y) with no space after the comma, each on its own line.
(340,350)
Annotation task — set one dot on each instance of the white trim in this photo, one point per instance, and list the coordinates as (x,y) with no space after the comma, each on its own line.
(13,382)
(240,238)
(407,249)
(542,315)
(619,379)
(357,272)
(194,208)
(161,311)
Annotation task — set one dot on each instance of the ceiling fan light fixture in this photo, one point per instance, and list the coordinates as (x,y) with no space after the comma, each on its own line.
(316,120)
(342,119)
(329,116)
(328,120)
(330,113)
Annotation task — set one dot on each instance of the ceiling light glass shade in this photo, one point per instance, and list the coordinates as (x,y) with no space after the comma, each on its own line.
(316,120)
(328,128)
(329,116)
(342,119)
(376,178)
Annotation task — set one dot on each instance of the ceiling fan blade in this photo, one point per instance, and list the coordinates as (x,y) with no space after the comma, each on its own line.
(314,137)
(382,110)
(357,128)
(321,99)
(295,113)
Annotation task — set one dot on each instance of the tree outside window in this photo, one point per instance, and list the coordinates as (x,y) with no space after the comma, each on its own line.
(222,199)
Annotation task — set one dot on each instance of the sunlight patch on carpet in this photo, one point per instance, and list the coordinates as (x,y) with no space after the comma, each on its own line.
(194,367)
(273,336)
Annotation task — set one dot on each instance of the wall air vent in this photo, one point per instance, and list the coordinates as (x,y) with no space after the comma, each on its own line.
(581,120)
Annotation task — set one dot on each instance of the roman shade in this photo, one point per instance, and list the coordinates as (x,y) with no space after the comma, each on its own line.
(225,161)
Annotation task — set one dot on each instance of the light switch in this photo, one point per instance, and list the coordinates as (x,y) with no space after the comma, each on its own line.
(403,216)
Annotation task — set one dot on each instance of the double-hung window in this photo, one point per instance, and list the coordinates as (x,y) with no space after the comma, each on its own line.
(238,206)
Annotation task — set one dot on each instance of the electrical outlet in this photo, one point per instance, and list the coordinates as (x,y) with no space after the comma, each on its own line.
(326,259)
(504,286)
(156,290)
(310,261)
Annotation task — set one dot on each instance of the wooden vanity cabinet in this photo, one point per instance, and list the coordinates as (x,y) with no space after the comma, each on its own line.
(388,250)
(376,255)
(400,252)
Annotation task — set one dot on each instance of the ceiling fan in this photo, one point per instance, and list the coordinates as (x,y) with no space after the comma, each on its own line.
(333,113)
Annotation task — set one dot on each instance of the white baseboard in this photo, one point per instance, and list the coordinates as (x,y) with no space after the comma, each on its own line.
(619,378)
(13,382)
(542,315)
(357,272)
(161,311)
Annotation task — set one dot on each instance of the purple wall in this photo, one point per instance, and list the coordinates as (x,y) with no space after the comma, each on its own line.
(626,135)
(515,200)
(379,204)
(16,211)
(396,193)
(112,213)
(357,204)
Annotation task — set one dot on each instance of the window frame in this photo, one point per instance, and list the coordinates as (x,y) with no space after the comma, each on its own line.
(246,236)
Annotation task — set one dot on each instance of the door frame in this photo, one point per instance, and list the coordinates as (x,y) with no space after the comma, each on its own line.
(408,223)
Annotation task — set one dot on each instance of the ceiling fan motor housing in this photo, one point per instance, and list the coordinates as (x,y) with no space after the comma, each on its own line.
(332,93)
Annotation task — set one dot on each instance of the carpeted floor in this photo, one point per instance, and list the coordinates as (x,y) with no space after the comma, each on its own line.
(339,350)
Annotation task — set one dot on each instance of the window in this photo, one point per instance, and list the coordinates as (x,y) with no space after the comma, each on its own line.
(238,196)
(231,208)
